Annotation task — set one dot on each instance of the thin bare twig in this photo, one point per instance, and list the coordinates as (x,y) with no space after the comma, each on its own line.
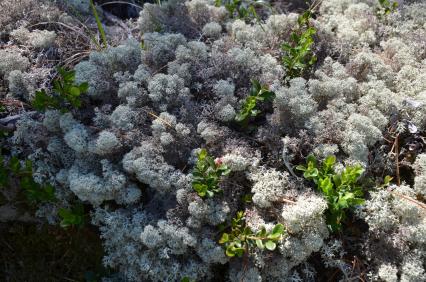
(245,264)
(157,117)
(76,57)
(420,204)
(284,200)
(398,179)
(64,25)
(14,118)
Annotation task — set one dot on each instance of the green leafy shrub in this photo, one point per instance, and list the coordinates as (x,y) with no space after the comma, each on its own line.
(66,93)
(207,173)
(72,217)
(258,93)
(340,189)
(34,191)
(298,55)
(243,9)
(240,239)
(386,7)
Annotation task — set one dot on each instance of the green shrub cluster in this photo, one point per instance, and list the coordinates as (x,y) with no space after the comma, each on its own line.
(240,238)
(13,170)
(386,7)
(340,189)
(206,175)
(242,9)
(66,94)
(298,55)
(249,109)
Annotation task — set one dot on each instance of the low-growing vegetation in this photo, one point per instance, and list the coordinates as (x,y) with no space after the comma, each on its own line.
(243,9)
(250,108)
(207,174)
(298,54)
(386,7)
(241,238)
(340,189)
(175,141)
(66,94)
(12,172)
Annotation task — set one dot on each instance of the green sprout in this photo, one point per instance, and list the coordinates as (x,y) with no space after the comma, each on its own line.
(207,174)
(258,93)
(241,239)
(340,189)
(66,93)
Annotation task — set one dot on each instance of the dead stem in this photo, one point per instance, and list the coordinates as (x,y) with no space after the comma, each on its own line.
(284,200)
(245,264)
(420,204)
(398,179)
(157,117)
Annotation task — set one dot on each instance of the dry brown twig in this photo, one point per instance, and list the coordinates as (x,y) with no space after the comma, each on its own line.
(418,203)
(157,117)
(284,200)
(396,145)
(395,149)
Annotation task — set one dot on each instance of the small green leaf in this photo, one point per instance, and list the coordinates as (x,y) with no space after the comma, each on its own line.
(330,161)
(326,186)
(259,244)
(277,231)
(311,159)
(84,87)
(248,198)
(270,245)
(301,168)
(230,251)
(387,180)
(72,217)
(75,91)
(311,173)
(202,154)
(262,232)
(357,201)
(224,238)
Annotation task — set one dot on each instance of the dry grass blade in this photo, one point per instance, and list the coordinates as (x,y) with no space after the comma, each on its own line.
(157,117)
(398,178)
(64,25)
(99,24)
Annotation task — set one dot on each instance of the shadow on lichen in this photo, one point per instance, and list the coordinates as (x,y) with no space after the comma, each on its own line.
(50,253)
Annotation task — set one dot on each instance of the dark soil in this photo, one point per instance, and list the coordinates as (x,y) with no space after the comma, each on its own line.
(49,253)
